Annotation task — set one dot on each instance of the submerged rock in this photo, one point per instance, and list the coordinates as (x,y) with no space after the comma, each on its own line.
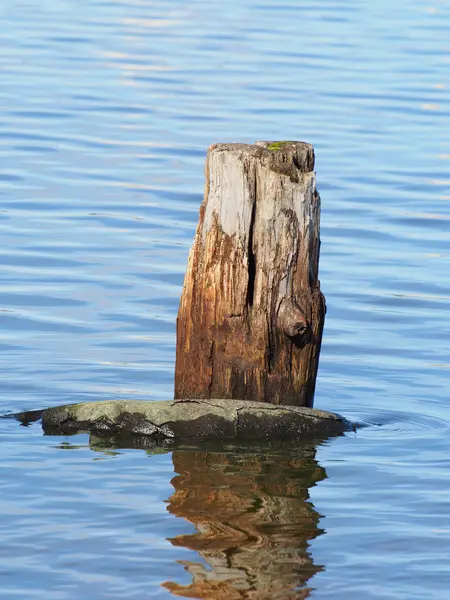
(174,420)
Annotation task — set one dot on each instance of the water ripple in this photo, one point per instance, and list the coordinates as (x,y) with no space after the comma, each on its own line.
(107,109)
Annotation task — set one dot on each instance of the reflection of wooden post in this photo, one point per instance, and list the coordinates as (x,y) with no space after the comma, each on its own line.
(251,313)
(254,522)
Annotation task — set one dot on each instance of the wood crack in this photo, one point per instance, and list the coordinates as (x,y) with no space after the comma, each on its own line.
(251,258)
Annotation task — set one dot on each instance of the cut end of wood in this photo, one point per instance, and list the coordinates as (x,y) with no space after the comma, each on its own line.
(287,157)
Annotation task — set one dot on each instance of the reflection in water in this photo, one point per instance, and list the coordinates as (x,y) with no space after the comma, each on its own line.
(253,518)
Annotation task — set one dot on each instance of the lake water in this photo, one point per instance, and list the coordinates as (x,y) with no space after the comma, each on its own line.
(107,108)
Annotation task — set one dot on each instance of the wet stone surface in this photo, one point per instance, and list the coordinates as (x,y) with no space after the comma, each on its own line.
(190,419)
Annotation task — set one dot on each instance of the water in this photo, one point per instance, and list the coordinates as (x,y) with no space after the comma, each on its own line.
(107,108)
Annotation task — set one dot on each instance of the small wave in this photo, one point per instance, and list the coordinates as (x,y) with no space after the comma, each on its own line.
(402,424)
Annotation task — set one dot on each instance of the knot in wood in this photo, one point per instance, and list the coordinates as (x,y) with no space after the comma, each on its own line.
(291,320)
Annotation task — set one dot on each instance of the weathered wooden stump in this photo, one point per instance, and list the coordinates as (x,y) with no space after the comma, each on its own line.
(251,314)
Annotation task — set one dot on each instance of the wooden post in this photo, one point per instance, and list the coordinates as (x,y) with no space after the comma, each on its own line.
(251,314)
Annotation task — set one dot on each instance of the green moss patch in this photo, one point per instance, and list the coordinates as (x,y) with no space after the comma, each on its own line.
(276,145)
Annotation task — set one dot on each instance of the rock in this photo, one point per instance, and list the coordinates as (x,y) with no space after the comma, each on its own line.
(173,420)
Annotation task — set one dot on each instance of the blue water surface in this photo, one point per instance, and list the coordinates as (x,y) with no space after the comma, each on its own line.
(106,110)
